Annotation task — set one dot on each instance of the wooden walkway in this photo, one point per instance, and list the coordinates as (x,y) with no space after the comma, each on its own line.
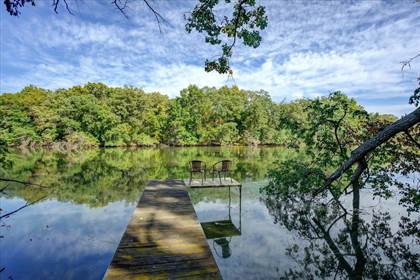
(164,239)
(212,183)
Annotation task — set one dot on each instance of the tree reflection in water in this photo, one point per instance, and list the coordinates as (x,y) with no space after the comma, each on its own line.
(344,238)
(347,242)
(318,195)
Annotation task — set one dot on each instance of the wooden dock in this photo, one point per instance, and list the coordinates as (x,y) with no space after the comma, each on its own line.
(164,239)
(212,183)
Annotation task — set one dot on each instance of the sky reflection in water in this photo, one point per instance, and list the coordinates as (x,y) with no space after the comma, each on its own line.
(74,231)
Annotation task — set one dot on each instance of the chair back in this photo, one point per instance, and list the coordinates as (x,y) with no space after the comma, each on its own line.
(226,164)
(195,165)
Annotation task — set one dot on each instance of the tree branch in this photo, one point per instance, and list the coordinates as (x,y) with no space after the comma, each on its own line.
(412,139)
(407,62)
(22,207)
(336,126)
(157,15)
(235,32)
(22,182)
(336,251)
(360,152)
(117,3)
(55,5)
(335,221)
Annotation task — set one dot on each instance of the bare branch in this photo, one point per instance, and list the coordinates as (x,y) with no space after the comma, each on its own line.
(334,248)
(67,7)
(22,207)
(55,5)
(117,3)
(121,5)
(157,15)
(406,63)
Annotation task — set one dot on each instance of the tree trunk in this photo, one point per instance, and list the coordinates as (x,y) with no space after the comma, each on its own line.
(360,152)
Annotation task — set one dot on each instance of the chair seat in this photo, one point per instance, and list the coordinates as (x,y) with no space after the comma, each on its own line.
(197,166)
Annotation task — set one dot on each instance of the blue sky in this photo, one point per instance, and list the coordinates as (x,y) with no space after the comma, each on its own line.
(309,49)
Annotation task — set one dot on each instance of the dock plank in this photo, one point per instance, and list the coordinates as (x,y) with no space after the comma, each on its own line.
(163,239)
(212,183)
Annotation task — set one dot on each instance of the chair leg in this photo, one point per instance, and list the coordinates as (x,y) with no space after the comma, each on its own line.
(202,178)
(220,178)
(190,177)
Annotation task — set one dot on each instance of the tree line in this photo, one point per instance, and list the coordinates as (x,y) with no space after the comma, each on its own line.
(98,115)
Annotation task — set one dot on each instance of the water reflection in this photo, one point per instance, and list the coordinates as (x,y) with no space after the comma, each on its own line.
(99,176)
(362,238)
(220,232)
(58,240)
(74,225)
(343,240)
(258,252)
(70,227)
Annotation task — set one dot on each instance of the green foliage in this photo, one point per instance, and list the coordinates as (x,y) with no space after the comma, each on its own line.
(98,115)
(335,126)
(96,176)
(333,221)
(81,139)
(17,126)
(223,116)
(89,115)
(245,23)
(294,177)
(415,98)
(332,128)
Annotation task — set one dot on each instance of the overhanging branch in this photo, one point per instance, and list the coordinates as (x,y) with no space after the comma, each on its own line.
(368,146)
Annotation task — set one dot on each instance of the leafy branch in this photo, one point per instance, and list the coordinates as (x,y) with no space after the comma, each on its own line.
(359,154)
(246,22)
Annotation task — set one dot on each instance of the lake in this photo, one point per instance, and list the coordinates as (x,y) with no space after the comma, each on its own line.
(70,228)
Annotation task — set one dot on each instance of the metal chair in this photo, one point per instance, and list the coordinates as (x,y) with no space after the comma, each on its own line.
(222,167)
(224,244)
(197,166)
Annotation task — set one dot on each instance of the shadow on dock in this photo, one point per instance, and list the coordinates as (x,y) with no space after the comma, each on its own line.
(163,239)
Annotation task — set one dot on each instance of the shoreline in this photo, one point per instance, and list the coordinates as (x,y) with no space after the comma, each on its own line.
(162,146)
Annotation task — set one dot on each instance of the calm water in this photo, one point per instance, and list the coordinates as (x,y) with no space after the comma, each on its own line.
(73,227)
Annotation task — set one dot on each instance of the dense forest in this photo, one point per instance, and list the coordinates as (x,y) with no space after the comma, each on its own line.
(99,115)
